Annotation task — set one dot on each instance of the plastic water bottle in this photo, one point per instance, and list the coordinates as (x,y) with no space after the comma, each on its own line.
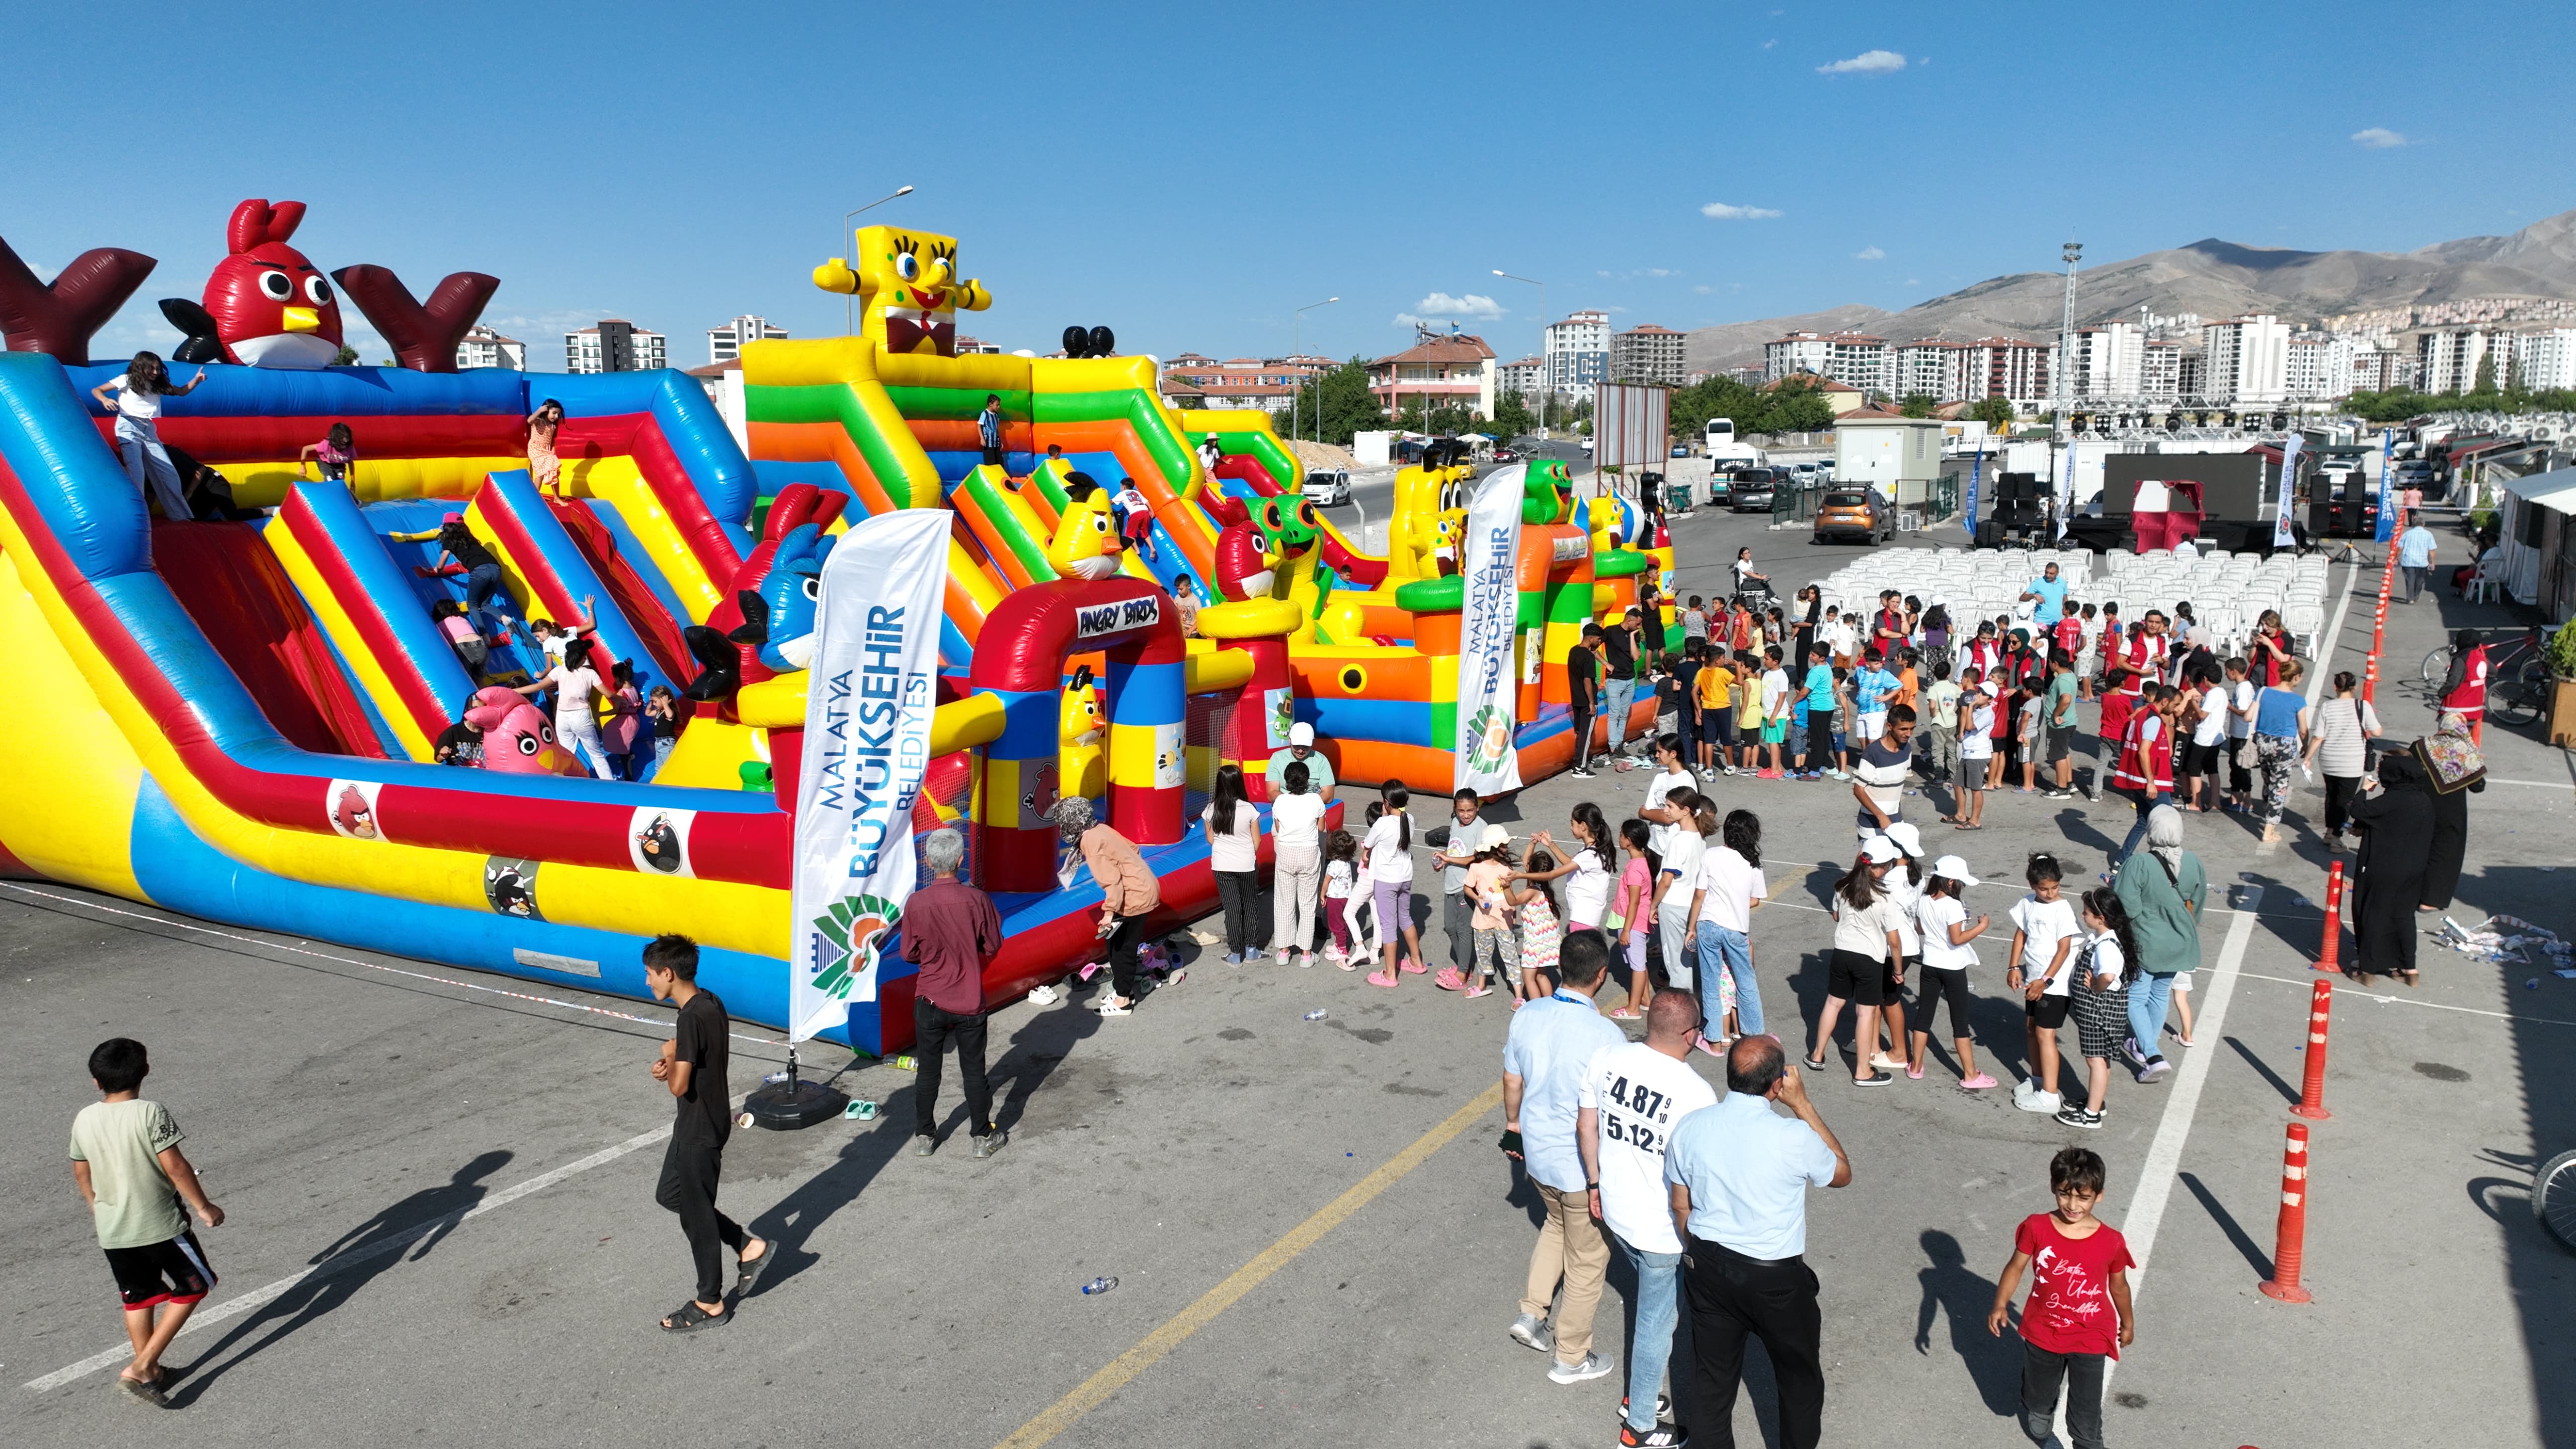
(904,1063)
(1098,1286)
(1316,1015)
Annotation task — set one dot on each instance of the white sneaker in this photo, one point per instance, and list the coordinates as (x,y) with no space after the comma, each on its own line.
(1593,1365)
(1043,995)
(2030,1099)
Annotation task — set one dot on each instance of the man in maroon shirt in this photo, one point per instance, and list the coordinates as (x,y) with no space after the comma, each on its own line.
(950,930)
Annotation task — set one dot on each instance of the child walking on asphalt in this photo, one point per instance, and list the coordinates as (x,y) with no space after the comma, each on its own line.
(2078,1317)
(140,1190)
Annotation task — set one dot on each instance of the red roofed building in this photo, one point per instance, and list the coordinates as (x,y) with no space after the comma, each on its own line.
(1452,371)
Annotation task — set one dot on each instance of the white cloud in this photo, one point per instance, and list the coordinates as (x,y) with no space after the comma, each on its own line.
(1868,62)
(1913,282)
(1703,289)
(1766,45)
(1441,304)
(1721,211)
(2378,138)
(1869,254)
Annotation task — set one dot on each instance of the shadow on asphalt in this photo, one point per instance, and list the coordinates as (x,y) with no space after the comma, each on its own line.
(2254,1255)
(2264,1070)
(1952,1288)
(374,1246)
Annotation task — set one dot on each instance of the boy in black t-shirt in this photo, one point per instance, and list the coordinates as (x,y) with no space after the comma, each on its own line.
(693,1065)
(1583,695)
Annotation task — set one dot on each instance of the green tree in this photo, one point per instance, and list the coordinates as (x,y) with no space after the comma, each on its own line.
(1798,405)
(1512,416)
(345,356)
(1919,404)
(1995,412)
(2485,385)
(1337,404)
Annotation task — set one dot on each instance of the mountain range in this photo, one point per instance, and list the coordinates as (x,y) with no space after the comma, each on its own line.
(2210,277)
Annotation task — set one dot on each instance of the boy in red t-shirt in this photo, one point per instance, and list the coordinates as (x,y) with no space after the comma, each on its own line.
(2078,1314)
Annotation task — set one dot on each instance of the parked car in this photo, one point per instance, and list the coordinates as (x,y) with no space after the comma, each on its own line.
(1681,450)
(1506,455)
(1587,443)
(1754,488)
(1855,513)
(1327,488)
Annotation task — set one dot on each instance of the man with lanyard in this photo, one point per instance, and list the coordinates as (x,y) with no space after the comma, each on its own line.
(1887,628)
(1739,1175)
(1619,661)
(1552,1044)
(2047,598)
(1301,751)
(1633,1095)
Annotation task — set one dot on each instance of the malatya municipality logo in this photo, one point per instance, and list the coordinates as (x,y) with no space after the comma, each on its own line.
(846,939)
(1490,738)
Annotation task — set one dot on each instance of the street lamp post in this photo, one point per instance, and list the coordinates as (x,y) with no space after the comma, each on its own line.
(1546,361)
(2064,493)
(847,298)
(1297,348)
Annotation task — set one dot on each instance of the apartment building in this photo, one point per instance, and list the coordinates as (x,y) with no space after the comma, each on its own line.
(615,345)
(2108,362)
(2246,361)
(1647,354)
(724,344)
(2379,369)
(483,347)
(2160,371)
(2318,366)
(2546,359)
(2005,367)
(1578,353)
(1856,358)
(1268,383)
(1934,369)
(1526,376)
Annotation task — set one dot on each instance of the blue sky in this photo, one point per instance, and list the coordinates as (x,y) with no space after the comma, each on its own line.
(1188,175)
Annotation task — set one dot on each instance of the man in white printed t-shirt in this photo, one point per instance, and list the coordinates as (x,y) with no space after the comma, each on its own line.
(1633,1094)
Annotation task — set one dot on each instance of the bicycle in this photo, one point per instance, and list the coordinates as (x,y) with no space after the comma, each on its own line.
(2516,695)
(2553,1199)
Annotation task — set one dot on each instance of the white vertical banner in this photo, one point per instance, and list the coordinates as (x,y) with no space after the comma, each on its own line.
(868,703)
(1487,757)
(2281,535)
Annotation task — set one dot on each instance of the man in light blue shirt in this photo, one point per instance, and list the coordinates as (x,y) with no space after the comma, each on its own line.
(1544,1057)
(2415,557)
(1739,1175)
(2047,594)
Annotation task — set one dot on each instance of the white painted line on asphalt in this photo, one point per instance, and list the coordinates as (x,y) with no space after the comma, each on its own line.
(2390,999)
(2164,1154)
(341,1263)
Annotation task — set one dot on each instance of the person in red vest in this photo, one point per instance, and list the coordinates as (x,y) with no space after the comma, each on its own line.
(2464,689)
(2145,771)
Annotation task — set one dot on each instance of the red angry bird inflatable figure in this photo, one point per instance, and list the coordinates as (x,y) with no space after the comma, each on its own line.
(518,739)
(265,304)
(1243,565)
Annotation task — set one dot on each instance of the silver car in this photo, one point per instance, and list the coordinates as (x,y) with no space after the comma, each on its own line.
(1326,488)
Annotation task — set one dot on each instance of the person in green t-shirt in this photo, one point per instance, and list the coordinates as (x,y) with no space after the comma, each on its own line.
(2058,714)
(140,1190)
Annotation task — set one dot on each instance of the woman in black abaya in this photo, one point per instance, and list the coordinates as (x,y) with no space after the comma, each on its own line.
(2453,771)
(2396,827)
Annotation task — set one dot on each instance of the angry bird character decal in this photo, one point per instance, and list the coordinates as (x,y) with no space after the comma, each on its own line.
(658,844)
(510,887)
(791,596)
(1086,543)
(1244,568)
(908,289)
(518,739)
(1081,766)
(352,813)
(265,305)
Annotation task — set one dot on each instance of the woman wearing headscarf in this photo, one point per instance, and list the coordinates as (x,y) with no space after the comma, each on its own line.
(2453,770)
(2396,850)
(2164,888)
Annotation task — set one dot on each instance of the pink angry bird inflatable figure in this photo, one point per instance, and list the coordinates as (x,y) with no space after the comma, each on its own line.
(518,739)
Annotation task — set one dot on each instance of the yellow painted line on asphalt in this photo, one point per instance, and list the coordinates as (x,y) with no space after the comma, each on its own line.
(1150,1350)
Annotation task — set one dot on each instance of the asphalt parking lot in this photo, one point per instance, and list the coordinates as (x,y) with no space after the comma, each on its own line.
(442,1227)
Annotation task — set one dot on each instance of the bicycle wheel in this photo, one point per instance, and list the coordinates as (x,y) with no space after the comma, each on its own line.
(2437,666)
(2553,1199)
(2520,700)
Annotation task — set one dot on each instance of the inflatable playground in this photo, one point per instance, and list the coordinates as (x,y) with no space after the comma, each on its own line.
(251,714)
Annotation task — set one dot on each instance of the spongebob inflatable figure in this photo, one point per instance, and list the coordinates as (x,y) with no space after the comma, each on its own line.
(908,289)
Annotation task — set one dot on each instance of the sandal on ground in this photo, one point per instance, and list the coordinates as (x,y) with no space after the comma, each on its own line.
(1624,1013)
(1813,1064)
(689,1317)
(1449,979)
(752,1268)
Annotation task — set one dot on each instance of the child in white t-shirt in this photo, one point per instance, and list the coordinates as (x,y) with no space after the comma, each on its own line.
(2045,934)
(1942,919)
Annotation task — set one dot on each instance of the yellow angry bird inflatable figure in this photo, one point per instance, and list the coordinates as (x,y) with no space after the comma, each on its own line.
(1086,543)
(1081,729)
(908,289)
